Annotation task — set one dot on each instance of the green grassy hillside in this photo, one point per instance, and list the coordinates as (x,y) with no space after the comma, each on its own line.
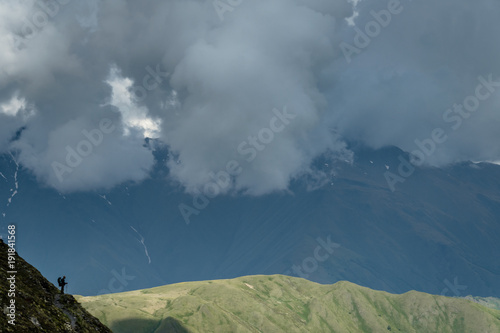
(285,304)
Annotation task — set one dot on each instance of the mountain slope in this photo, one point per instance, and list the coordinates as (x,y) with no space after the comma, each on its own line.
(438,232)
(286,304)
(491,302)
(39,305)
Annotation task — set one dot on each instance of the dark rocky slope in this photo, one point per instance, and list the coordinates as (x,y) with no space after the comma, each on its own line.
(39,305)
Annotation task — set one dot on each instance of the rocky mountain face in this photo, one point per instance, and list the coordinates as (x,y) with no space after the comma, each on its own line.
(491,302)
(374,221)
(280,303)
(32,304)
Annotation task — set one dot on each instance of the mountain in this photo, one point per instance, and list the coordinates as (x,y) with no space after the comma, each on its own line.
(437,232)
(32,304)
(285,304)
(491,302)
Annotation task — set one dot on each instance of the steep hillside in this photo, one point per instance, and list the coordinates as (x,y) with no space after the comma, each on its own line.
(39,305)
(286,304)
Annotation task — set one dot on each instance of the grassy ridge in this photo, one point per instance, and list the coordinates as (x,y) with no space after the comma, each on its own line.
(285,304)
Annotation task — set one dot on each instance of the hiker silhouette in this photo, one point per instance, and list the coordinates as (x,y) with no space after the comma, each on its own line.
(62,282)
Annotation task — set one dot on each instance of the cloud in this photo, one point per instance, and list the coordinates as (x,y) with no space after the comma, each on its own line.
(266,55)
(95,60)
(133,116)
(426,60)
(79,155)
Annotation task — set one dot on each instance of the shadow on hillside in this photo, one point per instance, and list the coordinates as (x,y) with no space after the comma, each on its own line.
(167,325)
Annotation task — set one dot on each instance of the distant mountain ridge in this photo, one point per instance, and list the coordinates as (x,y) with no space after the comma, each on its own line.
(437,232)
(286,304)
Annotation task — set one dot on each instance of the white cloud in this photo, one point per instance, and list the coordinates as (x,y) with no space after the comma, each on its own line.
(12,107)
(133,115)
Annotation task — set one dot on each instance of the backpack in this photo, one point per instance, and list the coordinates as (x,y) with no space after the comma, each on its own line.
(59,281)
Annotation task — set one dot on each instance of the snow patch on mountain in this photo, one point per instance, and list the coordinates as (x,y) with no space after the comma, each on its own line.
(104,197)
(143,244)
(14,191)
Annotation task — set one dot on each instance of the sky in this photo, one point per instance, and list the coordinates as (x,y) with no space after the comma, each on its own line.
(255,89)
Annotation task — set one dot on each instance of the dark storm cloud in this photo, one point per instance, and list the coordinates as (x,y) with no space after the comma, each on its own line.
(204,85)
